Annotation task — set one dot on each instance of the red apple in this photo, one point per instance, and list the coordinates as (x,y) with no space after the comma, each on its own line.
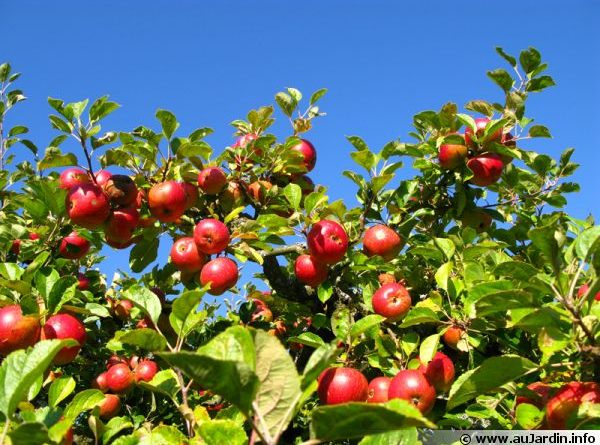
(145,370)
(212,180)
(167,201)
(83,282)
(258,190)
(383,241)
(439,371)
(121,190)
(110,406)
(211,236)
(221,273)
(16,245)
(392,301)
(121,223)
(119,378)
(102,177)
(480,124)
(115,360)
(122,308)
(62,326)
(327,241)
(261,312)
(309,271)
(477,218)
(308,152)
(72,177)
(378,390)
(119,244)
(191,192)
(452,336)
(487,169)
(452,156)
(583,289)
(101,382)
(17,331)
(542,391)
(412,386)
(87,206)
(566,401)
(185,255)
(244,140)
(73,246)
(342,385)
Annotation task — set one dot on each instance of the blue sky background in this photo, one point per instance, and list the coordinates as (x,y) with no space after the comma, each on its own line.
(210,62)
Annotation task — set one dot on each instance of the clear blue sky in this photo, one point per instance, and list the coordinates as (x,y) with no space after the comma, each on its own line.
(210,62)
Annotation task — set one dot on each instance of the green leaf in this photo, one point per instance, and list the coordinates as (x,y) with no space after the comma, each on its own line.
(29,433)
(115,426)
(530,59)
(102,108)
(365,323)
(144,338)
(586,240)
(419,315)
(401,437)
(502,79)
(510,59)
(325,291)
(53,158)
(353,420)
(219,432)
(60,124)
(429,347)
(293,193)
(309,339)
(317,95)
(341,321)
(145,299)
(528,416)
(544,239)
(540,83)
(286,103)
(164,382)
(358,143)
(492,374)
(517,270)
(233,344)
(319,360)
(539,131)
(279,390)
(60,389)
(365,159)
(184,316)
(502,301)
(20,369)
(143,254)
(480,106)
(168,122)
(62,291)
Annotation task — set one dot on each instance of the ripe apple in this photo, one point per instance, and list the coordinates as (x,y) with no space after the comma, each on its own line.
(392,301)
(62,326)
(452,156)
(121,190)
(566,401)
(145,370)
(480,124)
(542,391)
(121,223)
(122,308)
(439,371)
(308,152)
(477,218)
(87,205)
(167,201)
(72,177)
(120,244)
(486,168)
(110,406)
(116,360)
(452,336)
(232,197)
(258,189)
(583,289)
(383,241)
(101,382)
(309,271)
(378,390)
(73,246)
(342,385)
(211,236)
(102,177)
(119,378)
(212,180)
(386,278)
(412,386)
(83,282)
(327,241)
(185,255)
(221,273)
(16,245)
(17,331)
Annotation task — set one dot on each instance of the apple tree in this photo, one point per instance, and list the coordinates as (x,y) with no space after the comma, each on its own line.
(464,297)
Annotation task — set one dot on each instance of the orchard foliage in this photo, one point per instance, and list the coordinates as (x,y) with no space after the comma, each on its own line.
(472,283)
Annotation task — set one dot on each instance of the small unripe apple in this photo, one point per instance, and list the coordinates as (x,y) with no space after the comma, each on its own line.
(102,177)
(342,385)
(452,336)
(145,370)
(452,156)
(121,223)
(480,124)
(383,241)
(17,331)
(167,201)
(308,152)
(110,406)
(439,371)
(258,190)
(121,190)
(63,326)
(583,289)
(211,236)
(309,271)
(412,386)
(212,180)
(232,197)
(119,378)
(392,301)
(378,390)
(83,282)
(567,400)
(487,169)
(185,255)
(221,273)
(73,246)
(327,242)
(477,218)
(72,177)
(87,206)
(100,382)
(542,391)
